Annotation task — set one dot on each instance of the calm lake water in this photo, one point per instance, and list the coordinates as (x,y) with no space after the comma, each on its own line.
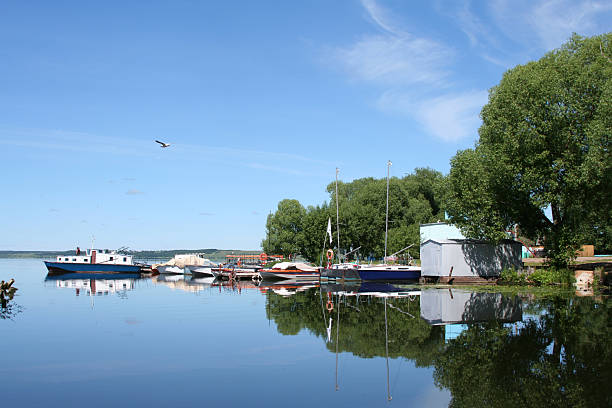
(190,342)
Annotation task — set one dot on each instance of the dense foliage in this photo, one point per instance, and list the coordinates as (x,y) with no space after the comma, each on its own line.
(544,142)
(413,200)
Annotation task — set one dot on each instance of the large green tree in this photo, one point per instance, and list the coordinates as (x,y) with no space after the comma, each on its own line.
(544,143)
(413,199)
(284,229)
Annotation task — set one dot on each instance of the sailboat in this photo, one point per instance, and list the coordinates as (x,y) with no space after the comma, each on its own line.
(385,271)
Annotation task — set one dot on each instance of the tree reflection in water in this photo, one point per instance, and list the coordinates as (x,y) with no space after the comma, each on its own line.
(559,354)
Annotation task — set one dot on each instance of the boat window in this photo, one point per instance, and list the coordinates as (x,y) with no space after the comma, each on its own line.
(111,258)
(124,259)
(85,260)
(66,259)
(73,259)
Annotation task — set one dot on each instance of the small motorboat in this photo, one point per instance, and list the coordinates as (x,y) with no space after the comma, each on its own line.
(290,270)
(186,264)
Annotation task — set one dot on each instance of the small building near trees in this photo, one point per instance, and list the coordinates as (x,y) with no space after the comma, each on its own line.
(456,259)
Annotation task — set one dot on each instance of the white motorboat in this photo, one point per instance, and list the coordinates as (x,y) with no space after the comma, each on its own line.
(291,270)
(186,264)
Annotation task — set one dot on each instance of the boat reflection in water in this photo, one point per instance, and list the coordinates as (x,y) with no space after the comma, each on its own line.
(90,284)
(197,284)
(287,287)
(193,284)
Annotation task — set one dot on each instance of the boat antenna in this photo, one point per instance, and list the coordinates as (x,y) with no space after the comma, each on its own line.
(387,213)
(337,214)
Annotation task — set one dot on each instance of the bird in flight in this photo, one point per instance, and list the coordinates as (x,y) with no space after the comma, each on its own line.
(163,144)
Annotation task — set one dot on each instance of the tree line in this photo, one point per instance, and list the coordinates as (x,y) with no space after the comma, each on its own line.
(544,146)
(413,199)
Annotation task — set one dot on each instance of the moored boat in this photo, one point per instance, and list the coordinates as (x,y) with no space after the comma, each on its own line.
(386,272)
(94,261)
(290,270)
(343,271)
(186,264)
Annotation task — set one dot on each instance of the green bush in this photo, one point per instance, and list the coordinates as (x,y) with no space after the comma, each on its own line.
(512,277)
(552,276)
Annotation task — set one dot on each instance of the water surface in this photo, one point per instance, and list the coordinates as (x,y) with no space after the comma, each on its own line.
(170,341)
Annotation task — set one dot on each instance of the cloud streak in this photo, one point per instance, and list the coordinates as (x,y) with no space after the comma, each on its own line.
(417,75)
(411,69)
(69,141)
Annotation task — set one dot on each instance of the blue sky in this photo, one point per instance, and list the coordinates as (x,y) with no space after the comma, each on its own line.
(260,100)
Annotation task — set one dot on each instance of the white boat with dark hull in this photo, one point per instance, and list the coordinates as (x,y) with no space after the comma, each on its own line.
(291,270)
(94,261)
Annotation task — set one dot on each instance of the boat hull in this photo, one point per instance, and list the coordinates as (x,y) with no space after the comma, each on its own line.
(60,267)
(340,274)
(384,274)
(200,270)
(170,269)
(297,275)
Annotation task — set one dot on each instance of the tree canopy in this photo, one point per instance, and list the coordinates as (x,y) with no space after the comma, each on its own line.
(544,143)
(413,199)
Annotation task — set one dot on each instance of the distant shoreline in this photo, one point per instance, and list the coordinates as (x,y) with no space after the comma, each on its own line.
(145,254)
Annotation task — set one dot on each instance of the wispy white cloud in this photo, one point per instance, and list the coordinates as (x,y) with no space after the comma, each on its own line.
(550,23)
(412,69)
(449,117)
(69,141)
(416,74)
(395,56)
(134,192)
(453,117)
(390,59)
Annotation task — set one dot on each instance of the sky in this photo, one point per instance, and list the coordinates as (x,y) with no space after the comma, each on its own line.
(260,101)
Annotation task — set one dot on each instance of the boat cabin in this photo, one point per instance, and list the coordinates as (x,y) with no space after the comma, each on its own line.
(97,256)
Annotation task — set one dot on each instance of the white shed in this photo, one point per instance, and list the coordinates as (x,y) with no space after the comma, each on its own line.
(465,258)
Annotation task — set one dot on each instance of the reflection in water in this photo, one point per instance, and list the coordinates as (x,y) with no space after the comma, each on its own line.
(454,308)
(287,287)
(95,284)
(488,349)
(8,308)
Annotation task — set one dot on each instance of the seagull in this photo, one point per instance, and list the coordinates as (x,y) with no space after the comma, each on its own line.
(162,144)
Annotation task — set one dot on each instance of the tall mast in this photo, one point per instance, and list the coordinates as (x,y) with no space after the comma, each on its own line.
(387,214)
(337,213)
